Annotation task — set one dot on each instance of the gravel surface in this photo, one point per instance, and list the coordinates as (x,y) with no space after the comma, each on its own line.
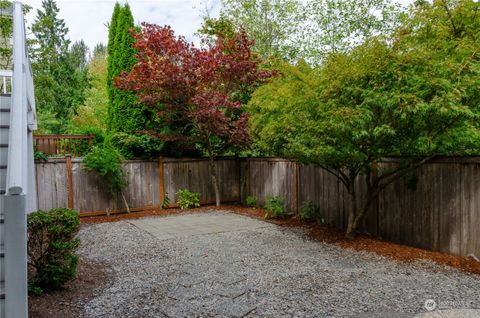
(270,271)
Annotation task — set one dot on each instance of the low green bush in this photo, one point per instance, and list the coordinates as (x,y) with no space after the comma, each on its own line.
(106,161)
(166,201)
(51,248)
(275,207)
(188,199)
(251,201)
(137,145)
(310,212)
(40,156)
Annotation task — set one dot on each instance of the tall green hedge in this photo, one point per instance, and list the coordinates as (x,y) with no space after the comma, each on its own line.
(125,114)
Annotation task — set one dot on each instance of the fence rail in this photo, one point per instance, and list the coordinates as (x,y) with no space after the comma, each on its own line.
(55,145)
(437,207)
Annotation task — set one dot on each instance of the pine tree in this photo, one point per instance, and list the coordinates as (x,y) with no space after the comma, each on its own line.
(125,114)
(112,29)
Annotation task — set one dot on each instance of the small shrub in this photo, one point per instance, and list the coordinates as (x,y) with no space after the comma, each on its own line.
(107,163)
(274,207)
(51,248)
(188,199)
(84,146)
(40,156)
(251,201)
(166,201)
(311,212)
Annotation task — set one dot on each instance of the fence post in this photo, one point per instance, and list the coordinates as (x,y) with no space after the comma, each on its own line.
(70,181)
(15,256)
(295,186)
(161,182)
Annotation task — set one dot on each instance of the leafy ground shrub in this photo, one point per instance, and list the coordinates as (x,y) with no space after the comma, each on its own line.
(188,199)
(51,248)
(166,201)
(40,156)
(311,212)
(137,145)
(107,163)
(251,201)
(274,207)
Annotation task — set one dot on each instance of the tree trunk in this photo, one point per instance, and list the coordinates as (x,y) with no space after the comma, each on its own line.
(214,180)
(125,201)
(355,222)
(351,212)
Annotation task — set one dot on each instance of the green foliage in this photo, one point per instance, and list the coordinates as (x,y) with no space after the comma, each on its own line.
(311,212)
(51,248)
(107,163)
(251,201)
(40,156)
(270,23)
(187,199)
(166,201)
(93,111)
(275,207)
(112,32)
(137,145)
(292,29)
(6,30)
(409,95)
(125,113)
(60,75)
(213,28)
(333,26)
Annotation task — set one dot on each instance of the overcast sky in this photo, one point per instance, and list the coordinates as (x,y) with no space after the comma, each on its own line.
(87,19)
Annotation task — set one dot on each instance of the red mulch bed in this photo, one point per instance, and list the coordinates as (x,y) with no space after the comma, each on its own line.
(323,233)
(69,301)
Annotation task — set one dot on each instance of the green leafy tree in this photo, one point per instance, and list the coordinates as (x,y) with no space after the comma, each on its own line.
(411,96)
(338,26)
(59,71)
(293,30)
(271,23)
(106,162)
(214,28)
(100,50)
(93,112)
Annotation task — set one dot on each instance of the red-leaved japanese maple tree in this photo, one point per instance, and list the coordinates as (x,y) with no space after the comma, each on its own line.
(200,91)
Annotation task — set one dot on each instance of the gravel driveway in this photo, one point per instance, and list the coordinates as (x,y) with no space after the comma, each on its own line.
(225,265)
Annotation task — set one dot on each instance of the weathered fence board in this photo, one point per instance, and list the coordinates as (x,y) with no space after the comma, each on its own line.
(271,177)
(194,175)
(440,211)
(437,207)
(52,188)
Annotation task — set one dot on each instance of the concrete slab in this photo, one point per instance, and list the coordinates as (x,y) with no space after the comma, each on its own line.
(170,227)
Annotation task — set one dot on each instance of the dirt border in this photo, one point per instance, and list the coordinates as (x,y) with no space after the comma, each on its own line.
(69,301)
(322,233)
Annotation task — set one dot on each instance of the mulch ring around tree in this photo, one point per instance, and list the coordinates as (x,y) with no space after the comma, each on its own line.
(323,233)
(69,301)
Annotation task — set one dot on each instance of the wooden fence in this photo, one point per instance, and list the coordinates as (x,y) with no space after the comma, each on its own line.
(437,208)
(54,145)
(62,182)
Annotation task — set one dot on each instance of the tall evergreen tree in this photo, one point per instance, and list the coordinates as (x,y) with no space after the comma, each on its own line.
(125,113)
(112,29)
(59,72)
